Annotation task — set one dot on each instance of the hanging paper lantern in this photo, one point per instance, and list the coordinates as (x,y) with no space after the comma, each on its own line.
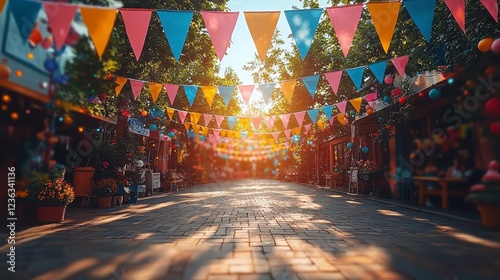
(402,100)
(46,43)
(495,46)
(386,99)
(435,93)
(365,150)
(171,134)
(369,111)
(388,79)
(50,65)
(144,113)
(153,127)
(492,107)
(68,120)
(14,115)
(349,145)
(6,98)
(35,37)
(4,71)
(485,44)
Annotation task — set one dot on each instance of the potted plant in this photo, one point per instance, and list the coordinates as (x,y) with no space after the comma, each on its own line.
(53,197)
(486,196)
(124,184)
(104,189)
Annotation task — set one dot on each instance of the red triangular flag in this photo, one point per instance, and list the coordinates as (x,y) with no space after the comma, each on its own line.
(171,90)
(256,122)
(457,9)
(136,25)
(371,96)
(246,92)
(345,21)
(333,79)
(220,27)
(400,64)
(60,17)
(299,116)
(492,7)
(136,87)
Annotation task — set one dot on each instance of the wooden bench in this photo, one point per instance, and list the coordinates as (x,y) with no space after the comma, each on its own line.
(445,192)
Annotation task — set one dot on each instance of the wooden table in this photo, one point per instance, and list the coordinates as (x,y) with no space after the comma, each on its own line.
(444,192)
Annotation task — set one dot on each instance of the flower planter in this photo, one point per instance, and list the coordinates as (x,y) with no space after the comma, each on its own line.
(82,181)
(490,216)
(104,201)
(52,214)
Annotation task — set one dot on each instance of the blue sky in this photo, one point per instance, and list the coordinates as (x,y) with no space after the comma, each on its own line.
(242,48)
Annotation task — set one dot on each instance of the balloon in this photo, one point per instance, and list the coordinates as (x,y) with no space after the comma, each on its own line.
(365,150)
(50,65)
(485,44)
(349,145)
(153,127)
(495,47)
(171,134)
(386,99)
(144,113)
(435,93)
(388,79)
(4,72)
(493,107)
(369,111)
(495,128)
(174,147)
(402,100)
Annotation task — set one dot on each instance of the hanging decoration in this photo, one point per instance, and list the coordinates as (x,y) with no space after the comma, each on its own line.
(136,26)
(422,13)
(457,9)
(220,27)
(303,24)
(176,27)
(262,26)
(345,21)
(384,16)
(100,23)
(59,16)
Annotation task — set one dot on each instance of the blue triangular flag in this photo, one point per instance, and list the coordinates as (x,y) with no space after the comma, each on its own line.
(422,13)
(226,92)
(313,114)
(303,24)
(176,26)
(356,75)
(328,111)
(231,121)
(25,14)
(311,83)
(190,93)
(267,90)
(378,70)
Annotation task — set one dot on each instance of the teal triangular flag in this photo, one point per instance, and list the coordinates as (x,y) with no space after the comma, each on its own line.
(313,114)
(311,83)
(303,24)
(267,90)
(25,14)
(356,75)
(176,26)
(328,111)
(226,92)
(378,69)
(422,13)
(190,93)
(231,121)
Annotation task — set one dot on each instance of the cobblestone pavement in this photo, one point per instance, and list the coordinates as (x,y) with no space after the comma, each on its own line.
(258,229)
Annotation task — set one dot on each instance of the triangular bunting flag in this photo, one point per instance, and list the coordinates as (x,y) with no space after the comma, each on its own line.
(341,106)
(2,5)
(220,27)
(333,79)
(209,92)
(288,87)
(490,5)
(60,17)
(187,125)
(223,133)
(175,26)
(371,96)
(226,92)
(195,117)
(328,110)
(170,113)
(275,135)
(171,90)
(136,25)
(332,120)
(284,119)
(287,133)
(400,64)
(311,83)
(231,121)
(121,81)
(307,127)
(25,14)
(356,75)
(313,114)
(245,122)
(262,26)
(196,128)
(207,118)
(321,125)
(341,118)
(303,24)
(299,116)
(219,120)
(296,130)
(384,16)
(100,23)
(136,87)
(246,92)
(182,115)
(372,104)
(356,103)
(422,13)
(190,93)
(266,90)
(457,9)
(205,130)
(155,89)
(270,122)
(378,69)
(256,122)
(345,21)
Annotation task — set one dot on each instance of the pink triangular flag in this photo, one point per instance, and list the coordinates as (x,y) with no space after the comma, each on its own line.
(332,120)
(256,122)
(492,7)
(345,20)
(457,9)
(333,79)
(136,25)
(219,119)
(60,17)
(270,122)
(400,64)
(341,106)
(287,133)
(275,135)
(207,118)
(182,115)
(307,127)
(285,118)
(371,96)
(136,87)
(246,92)
(299,116)
(220,27)
(372,104)
(171,90)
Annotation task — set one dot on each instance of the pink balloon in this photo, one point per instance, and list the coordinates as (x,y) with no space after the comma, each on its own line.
(495,47)
(388,79)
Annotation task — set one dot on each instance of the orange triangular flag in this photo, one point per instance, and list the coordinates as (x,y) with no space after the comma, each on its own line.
(205,130)
(121,81)
(356,103)
(187,125)
(262,26)
(321,124)
(209,92)
(155,89)
(195,117)
(384,16)
(288,87)
(245,122)
(296,130)
(100,23)
(196,128)
(170,113)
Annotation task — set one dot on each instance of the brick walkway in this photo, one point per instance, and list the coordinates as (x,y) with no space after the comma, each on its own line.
(255,230)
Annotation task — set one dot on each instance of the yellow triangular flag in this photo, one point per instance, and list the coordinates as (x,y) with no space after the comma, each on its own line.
(187,125)
(2,4)
(237,134)
(195,117)
(321,125)
(262,26)
(121,81)
(384,16)
(230,134)
(341,118)
(155,90)
(296,130)
(205,130)
(100,23)
(170,113)
(223,133)
(196,128)
(356,103)
(288,87)
(245,122)
(209,92)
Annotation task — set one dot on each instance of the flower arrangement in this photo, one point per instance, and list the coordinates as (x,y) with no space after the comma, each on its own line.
(488,191)
(123,181)
(366,166)
(56,192)
(105,187)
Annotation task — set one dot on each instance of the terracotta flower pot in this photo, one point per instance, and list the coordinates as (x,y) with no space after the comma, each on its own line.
(52,214)
(104,201)
(490,216)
